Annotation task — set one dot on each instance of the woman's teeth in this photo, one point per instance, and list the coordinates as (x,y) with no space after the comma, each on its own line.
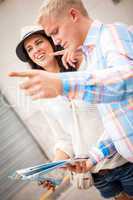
(41,57)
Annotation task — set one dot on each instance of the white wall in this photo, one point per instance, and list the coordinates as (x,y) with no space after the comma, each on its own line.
(14,14)
(17,13)
(109,12)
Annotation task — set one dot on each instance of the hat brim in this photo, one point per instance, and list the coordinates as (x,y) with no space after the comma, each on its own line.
(20,50)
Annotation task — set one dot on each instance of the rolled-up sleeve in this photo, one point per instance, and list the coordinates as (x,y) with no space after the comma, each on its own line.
(103,149)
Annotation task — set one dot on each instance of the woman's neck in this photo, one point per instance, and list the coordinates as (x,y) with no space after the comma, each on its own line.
(53,67)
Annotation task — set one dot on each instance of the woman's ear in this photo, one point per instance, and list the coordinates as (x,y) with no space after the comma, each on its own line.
(74,14)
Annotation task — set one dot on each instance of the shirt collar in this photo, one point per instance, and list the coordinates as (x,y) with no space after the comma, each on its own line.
(93,33)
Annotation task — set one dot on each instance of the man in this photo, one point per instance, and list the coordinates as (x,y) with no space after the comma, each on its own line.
(105,48)
(108,79)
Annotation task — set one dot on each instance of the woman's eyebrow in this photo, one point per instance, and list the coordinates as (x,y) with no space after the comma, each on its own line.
(38,39)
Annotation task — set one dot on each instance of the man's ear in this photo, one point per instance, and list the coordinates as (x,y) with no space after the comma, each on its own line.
(74,14)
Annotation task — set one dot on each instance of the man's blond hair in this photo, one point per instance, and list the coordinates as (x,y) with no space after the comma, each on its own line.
(56,8)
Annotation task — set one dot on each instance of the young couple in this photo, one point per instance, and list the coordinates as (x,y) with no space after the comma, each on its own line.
(107,81)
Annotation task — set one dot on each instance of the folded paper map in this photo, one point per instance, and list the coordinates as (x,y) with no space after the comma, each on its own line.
(47,171)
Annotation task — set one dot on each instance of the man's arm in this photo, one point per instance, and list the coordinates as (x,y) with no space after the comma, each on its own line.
(104,86)
(103,149)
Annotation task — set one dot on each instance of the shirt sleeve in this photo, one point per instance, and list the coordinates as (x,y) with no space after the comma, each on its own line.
(113,83)
(103,149)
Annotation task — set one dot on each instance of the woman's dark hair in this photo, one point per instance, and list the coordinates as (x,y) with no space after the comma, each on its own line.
(58,58)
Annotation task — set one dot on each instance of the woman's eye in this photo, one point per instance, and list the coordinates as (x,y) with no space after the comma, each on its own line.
(29,50)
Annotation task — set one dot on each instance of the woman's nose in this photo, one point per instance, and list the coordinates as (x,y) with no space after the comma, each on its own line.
(36,49)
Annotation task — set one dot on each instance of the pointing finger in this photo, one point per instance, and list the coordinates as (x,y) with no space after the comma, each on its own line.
(57,53)
(29,73)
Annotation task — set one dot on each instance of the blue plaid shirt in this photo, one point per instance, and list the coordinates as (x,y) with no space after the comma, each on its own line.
(108,50)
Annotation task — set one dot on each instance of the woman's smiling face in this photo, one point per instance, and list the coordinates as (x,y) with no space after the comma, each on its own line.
(38,49)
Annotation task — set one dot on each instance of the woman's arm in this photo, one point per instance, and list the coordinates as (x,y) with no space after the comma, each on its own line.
(60,155)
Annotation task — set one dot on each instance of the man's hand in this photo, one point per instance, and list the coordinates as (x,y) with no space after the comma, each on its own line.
(80,167)
(40,84)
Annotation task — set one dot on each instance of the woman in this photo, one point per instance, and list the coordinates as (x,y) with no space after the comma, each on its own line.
(38,58)
(83,126)
(35,48)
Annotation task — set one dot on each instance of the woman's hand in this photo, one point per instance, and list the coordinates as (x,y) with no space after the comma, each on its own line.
(59,155)
(71,56)
(47,185)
